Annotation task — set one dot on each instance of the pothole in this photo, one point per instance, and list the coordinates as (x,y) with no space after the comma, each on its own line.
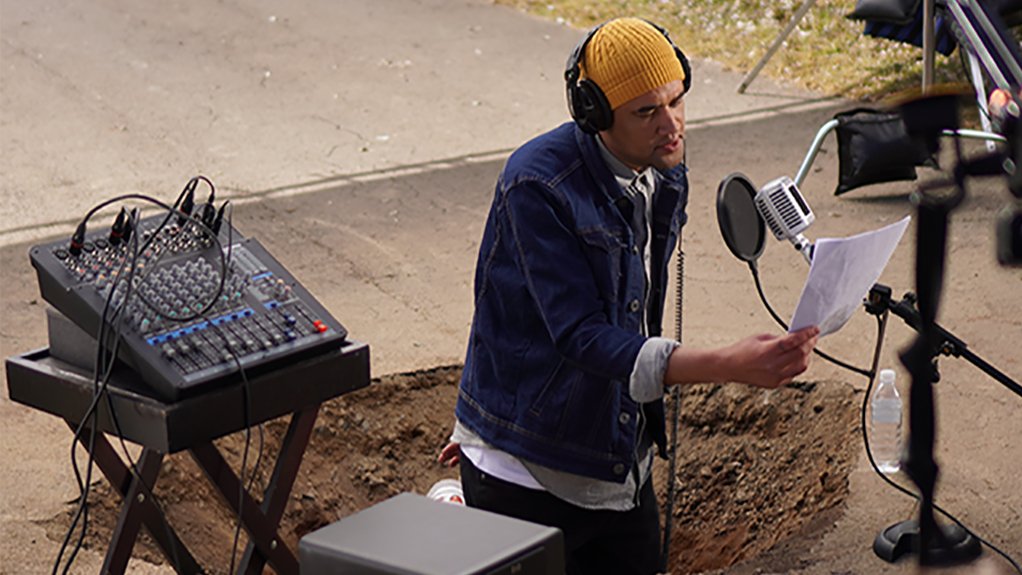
(753,468)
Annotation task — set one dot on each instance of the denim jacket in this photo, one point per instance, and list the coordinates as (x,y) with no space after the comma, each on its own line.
(559,296)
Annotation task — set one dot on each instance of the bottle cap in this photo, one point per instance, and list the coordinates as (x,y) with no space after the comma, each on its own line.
(887,376)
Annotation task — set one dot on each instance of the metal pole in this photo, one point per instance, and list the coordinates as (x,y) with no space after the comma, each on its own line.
(814,149)
(799,14)
(929,44)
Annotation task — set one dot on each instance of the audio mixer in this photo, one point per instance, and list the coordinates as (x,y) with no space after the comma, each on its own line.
(190,312)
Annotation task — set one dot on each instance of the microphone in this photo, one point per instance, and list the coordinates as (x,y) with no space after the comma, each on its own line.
(786,213)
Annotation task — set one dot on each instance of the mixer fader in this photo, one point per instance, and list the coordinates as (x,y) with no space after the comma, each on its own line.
(190,312)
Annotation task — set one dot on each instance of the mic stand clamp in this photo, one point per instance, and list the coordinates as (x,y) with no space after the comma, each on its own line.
(879,300)
(804,247)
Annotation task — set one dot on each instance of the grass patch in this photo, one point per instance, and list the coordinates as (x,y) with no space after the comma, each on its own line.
(827,53)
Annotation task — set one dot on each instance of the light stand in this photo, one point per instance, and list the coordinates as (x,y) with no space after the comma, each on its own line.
(934,546)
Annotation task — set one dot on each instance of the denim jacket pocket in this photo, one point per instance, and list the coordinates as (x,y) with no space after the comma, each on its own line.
(554,398)
(603,250)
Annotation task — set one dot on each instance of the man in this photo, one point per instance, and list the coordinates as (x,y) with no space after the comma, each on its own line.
(560,401)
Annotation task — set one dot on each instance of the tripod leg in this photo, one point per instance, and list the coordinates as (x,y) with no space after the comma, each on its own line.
(799,15)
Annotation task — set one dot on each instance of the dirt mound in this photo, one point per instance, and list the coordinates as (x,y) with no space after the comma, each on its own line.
(753,468)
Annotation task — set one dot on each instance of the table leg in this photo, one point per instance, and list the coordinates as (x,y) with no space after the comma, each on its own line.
(137,508)
(130,520)
(275,497)
(260,522)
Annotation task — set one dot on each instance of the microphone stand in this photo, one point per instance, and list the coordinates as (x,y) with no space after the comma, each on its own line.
(934,544)
(879,300)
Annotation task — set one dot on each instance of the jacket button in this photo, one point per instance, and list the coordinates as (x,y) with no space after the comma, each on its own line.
(619,468)
(635,250)
(633,306)
(624,418)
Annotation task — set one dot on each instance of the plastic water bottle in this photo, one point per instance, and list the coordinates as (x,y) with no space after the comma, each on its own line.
(885,424)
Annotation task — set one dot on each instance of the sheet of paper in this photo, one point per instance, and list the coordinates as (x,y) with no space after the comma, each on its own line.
(841,275)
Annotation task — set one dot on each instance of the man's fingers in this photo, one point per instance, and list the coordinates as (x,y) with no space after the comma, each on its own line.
(800,342)
(795,360)
(803,335)
(797,354)
(449,454)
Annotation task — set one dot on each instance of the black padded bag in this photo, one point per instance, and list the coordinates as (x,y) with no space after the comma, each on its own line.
(874,147)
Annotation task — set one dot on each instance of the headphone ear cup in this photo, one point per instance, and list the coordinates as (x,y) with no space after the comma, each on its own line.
(575,106)
(593,110)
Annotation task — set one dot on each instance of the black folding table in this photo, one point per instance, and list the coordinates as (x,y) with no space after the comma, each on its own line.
(39,380)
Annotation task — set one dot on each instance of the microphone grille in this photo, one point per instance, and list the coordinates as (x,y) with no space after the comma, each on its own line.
(768,216)
(783,208)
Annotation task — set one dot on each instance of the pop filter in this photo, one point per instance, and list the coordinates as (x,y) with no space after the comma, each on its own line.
(743,229)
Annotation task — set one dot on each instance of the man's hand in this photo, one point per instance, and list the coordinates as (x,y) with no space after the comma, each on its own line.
(450,455)
(763,360)
(771,361)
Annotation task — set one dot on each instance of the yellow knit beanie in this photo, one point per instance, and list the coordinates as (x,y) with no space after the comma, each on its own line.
(628,57)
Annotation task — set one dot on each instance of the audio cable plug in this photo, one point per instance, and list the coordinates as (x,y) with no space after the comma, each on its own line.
(117,229)
(207,212)
(219,220)
(77,240)
(187,205)
(129,225)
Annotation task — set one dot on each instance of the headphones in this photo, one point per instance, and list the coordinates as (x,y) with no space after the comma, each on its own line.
(586,101)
